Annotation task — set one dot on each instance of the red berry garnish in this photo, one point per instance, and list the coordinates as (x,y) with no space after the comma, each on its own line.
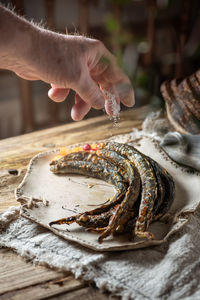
(87,147)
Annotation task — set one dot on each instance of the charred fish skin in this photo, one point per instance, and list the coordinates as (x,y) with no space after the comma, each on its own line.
(110,169)
(64,166)
(129,226)
(84,219)
(88,221)
(123,211)
(145,190)
(148,181)
(105,172)
(133,189)
(100,159)
(166,191)
(169,195)
(90,169)
(158,171)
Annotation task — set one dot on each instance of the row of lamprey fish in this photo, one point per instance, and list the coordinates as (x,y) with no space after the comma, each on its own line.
(144,190)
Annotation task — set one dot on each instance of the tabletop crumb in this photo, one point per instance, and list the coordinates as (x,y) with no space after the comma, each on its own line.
(90,185)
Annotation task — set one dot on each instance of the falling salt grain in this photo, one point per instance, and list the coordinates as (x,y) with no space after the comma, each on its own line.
(113,105)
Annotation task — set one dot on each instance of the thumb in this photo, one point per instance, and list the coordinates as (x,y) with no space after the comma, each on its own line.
(90,92)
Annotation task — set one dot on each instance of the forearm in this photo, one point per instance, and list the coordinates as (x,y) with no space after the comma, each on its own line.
(29,50)
(17,40)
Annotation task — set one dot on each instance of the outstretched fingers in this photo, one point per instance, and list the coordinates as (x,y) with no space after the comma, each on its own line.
(111,78)
(79,109)
(125,92)
(89,91)
(58,94)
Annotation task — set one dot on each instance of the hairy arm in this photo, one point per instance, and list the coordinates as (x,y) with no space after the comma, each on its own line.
(65,62)
(17,40)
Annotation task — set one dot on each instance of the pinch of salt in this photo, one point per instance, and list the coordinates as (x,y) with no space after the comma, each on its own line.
(114,106)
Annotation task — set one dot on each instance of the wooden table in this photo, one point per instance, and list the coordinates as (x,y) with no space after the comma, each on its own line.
(22,280)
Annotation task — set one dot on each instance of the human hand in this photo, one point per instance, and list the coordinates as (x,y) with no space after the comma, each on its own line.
(82,64)
(92,69)
(64,61)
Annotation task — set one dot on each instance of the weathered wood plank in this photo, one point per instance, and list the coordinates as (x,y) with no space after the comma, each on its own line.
(19,279)
(8,184)
(89,293)
(17,274)
(15,152)
(45,290)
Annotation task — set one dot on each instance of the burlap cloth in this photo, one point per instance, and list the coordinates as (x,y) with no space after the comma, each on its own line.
(167,271)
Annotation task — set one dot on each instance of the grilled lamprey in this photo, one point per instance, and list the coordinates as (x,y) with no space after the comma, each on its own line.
(149,185)
(89,164)
(144,190)
(92,169)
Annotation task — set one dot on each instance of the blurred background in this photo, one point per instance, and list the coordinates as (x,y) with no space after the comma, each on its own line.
(153,40)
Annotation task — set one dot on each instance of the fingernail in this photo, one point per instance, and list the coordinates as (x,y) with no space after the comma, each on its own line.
(126,93)
(131,99)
